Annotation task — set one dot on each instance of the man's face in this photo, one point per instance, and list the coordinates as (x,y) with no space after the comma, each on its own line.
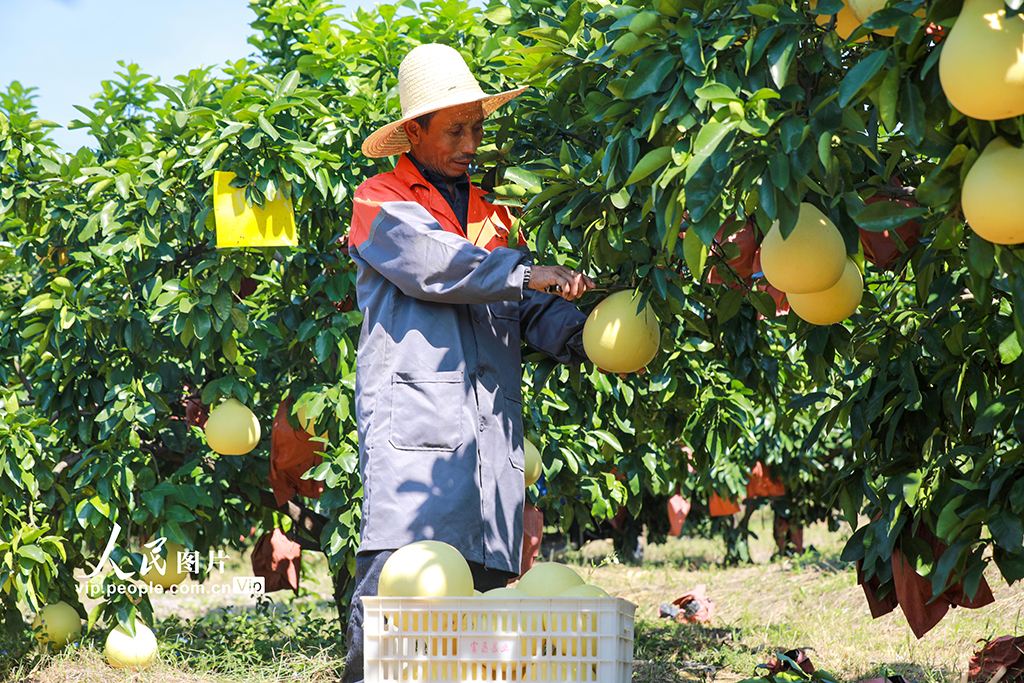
(448,144)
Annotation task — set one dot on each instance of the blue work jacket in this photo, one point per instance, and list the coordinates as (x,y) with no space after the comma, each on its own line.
(439,405)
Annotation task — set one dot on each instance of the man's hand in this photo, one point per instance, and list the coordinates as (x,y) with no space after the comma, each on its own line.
(568,283)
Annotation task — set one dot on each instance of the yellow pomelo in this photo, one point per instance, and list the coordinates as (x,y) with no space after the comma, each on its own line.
(547,579)
(585,590)
(846,22)
(811,259)
(125,652)
(232,429)
(863,9)
(836,303)
(533,464)
(505,592)
(169,560)
(992,196)
(60,625)
(981,66)
(617,338)
(429,569)
(308,425)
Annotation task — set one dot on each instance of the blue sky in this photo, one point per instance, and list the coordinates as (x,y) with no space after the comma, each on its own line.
(65,48)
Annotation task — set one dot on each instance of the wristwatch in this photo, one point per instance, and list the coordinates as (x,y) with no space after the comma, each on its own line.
(526,278)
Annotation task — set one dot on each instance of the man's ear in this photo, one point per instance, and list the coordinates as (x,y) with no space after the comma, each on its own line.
(413,131)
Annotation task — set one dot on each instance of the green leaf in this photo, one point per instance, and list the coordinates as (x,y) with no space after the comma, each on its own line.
(649,75)
(1009,349)
(859,75)
(696,254)
(1008,531)
(882,216)
(651,162)
(729,304)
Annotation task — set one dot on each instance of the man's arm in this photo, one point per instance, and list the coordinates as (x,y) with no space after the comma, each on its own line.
(407,246)
(552,325)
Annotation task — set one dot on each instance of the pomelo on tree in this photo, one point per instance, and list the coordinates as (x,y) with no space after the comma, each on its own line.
(981,67)
(232,429)
(171,575)
(533,468)
(126,652)
(308,425)
(617,338)
(991,197)
(811,259)
(547,579)
(862,9)
(59,623)
(835,304)
(584,590)
(846,21)
(429,569)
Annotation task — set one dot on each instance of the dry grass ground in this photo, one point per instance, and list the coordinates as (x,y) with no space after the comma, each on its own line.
(771,605)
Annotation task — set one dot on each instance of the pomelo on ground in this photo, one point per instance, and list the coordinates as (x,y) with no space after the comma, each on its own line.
(168,559)
(533,468)
(981,67)
(547,579)
(429,569)
(811,259)
(991,197)
(125,652)
(617,338)
(60,625)
(835,304)
(232,429)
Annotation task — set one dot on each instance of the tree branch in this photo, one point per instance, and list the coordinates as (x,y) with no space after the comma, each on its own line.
(21,375)
(312,523)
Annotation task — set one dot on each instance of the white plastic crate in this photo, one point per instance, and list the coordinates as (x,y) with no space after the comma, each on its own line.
(498,639)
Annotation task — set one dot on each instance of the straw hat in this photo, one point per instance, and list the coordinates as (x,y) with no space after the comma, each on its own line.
(431,77)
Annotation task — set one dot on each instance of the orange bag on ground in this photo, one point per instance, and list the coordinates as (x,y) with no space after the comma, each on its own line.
(292,453)
(695,607)
(1005,653)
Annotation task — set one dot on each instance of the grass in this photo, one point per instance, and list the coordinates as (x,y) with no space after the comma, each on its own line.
(769,606)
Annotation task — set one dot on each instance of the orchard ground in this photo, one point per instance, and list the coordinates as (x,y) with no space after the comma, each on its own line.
(811,601)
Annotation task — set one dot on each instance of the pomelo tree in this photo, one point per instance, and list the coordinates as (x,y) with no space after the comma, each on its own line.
(654,134)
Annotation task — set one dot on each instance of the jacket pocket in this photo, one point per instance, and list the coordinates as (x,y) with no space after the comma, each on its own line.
(426,410)
(514,414)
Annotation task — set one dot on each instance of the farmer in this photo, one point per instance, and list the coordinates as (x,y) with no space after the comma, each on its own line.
(446,305)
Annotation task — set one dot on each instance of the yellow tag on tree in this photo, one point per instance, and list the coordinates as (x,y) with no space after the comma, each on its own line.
(241,225)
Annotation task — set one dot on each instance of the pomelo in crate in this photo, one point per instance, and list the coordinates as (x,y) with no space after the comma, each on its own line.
(617,337)
(549,579)
(429,569)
